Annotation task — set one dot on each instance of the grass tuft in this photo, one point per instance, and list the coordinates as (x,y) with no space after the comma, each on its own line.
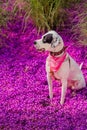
(79,21)
(45,14)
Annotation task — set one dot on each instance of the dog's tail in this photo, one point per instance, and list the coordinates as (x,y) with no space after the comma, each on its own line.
(81,65)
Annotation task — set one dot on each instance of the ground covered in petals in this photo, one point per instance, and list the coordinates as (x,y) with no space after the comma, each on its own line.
(24,102)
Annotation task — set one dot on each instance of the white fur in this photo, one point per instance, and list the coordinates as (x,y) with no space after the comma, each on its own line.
(69,74)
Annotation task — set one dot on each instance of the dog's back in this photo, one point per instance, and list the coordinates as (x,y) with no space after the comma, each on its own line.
(75,74)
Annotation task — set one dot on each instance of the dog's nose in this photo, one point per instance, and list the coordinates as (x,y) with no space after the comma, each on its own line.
(35,42)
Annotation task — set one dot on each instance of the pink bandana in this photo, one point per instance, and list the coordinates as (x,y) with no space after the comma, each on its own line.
(55,62)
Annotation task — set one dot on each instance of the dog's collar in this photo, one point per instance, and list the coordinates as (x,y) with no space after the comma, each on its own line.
(59,52)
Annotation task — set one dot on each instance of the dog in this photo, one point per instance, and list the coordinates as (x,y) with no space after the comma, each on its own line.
(59,64)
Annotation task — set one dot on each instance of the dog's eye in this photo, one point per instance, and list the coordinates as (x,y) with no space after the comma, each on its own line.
(44,39)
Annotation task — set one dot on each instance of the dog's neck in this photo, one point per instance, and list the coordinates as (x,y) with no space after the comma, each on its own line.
(59,53)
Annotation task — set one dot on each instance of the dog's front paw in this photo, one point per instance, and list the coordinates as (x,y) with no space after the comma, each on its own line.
(62,102)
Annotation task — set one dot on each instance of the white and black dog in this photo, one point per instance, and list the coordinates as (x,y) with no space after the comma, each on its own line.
(60,64)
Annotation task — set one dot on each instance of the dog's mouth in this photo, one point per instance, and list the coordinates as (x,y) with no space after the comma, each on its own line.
(41,50)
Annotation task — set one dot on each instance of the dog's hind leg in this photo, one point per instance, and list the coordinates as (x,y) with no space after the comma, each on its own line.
(80,85)
(50,85)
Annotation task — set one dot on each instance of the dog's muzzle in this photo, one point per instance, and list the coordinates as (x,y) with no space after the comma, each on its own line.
(41,50)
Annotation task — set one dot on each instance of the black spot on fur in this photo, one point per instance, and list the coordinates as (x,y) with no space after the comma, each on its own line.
(48,38)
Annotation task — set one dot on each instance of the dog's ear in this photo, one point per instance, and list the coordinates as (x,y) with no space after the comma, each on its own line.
(47,38)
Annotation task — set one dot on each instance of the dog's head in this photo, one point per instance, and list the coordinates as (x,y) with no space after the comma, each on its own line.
(51,41)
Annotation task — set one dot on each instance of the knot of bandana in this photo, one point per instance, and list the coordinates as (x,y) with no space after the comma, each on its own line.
(55,62)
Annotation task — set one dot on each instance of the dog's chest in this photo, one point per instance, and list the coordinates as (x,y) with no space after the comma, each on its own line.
(54,63)
(56,71)
(56,75)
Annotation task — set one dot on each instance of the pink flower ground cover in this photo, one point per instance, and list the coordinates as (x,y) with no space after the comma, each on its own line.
(24,102)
